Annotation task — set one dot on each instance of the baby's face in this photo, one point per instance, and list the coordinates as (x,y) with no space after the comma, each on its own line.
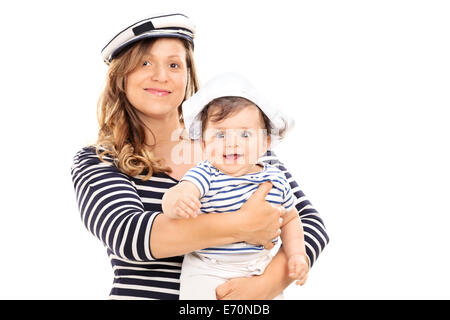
(234,144)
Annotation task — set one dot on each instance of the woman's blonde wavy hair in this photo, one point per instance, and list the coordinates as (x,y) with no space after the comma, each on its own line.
(122,134)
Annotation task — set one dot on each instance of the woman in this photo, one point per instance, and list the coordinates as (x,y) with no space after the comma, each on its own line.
(119,183)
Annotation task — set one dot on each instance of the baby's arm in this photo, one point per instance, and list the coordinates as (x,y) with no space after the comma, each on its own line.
(294,246)
(182,201)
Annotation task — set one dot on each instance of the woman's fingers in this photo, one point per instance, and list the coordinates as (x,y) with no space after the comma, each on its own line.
(260,221)
(269,245)
(262,191)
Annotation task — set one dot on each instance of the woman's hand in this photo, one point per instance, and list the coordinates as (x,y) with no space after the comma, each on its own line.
(248,288)
(259,221)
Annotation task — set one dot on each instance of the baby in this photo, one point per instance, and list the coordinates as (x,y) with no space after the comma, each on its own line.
(234,124)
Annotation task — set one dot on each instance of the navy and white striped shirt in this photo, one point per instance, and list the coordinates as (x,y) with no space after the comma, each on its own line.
(220,192)
(119,210)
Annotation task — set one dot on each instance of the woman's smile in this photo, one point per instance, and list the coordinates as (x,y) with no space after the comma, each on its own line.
(158,92)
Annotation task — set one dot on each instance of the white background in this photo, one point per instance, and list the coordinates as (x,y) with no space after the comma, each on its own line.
(367,82)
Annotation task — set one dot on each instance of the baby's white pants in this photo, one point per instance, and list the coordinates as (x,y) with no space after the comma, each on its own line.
(200,275)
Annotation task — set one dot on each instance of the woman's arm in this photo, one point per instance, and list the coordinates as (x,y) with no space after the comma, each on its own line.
(112,210)
(110,207)
(256,222)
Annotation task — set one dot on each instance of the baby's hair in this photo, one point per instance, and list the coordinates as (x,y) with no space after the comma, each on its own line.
(223,107)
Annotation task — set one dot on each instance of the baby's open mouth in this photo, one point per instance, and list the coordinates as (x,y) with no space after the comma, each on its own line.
(232,156)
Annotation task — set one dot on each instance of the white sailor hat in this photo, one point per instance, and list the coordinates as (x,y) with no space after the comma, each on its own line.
(231,85)
(174,25)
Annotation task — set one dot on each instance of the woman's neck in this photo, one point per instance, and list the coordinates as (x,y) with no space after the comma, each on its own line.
(163,134)
(162,129)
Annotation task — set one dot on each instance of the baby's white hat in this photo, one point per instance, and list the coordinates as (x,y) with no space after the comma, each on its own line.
(231,85)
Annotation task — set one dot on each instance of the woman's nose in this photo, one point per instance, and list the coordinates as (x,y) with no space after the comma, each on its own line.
(159,74)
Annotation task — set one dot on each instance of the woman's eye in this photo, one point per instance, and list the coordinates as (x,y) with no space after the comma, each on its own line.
(220,135)
(174,65)
(146,63)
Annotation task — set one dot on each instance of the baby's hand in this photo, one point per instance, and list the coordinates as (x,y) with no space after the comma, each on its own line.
(298,268)
(185,206)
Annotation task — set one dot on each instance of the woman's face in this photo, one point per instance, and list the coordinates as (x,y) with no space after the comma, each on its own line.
(157,86)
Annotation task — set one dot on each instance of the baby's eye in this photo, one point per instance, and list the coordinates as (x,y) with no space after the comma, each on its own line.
(220,135)
(246,134)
